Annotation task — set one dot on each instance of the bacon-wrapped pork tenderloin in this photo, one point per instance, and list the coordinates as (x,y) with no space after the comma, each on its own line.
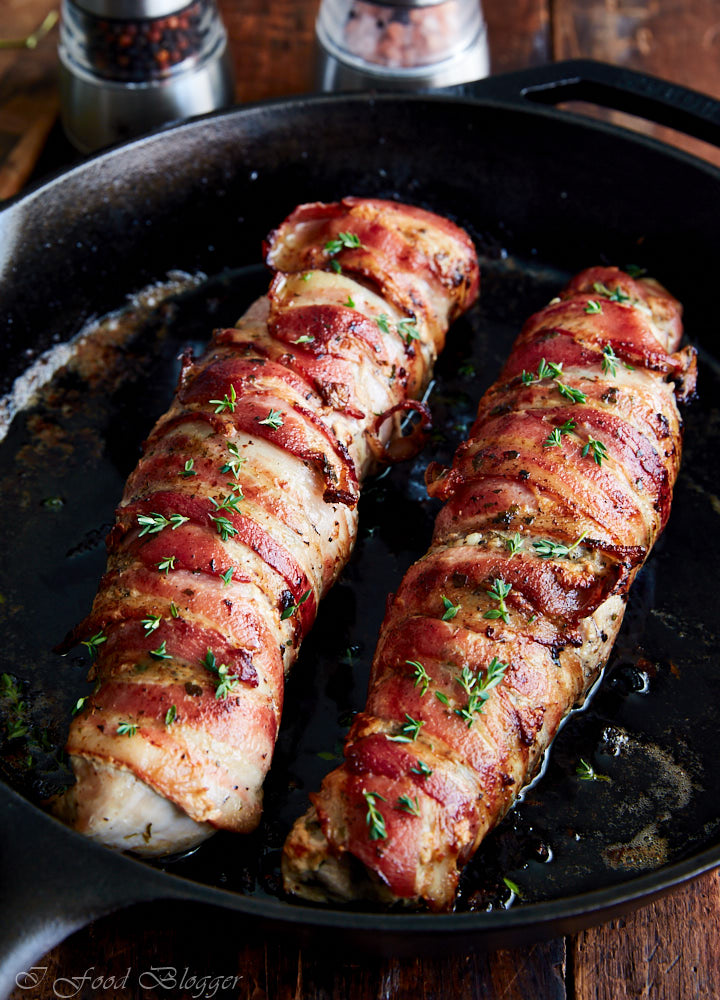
(551,506)
(241,513)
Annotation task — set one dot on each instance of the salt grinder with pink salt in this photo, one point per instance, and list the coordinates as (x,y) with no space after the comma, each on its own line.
(404,45)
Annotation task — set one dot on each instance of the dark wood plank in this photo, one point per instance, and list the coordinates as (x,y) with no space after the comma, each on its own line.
(160,943)
(675,39)
(669,950)
(28,92)
(518,33)
(271,45)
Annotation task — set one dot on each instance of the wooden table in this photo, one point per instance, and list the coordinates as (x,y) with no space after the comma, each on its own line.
(669,950)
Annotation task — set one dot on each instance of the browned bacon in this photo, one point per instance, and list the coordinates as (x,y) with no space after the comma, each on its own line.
(551,506)
(241,513)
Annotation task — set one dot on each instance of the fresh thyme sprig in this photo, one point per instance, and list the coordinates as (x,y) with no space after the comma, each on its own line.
(451,609)
(512,886)
(227,403)
(189,469)
(409,731)
(478,688)
(274,419)
(161,652)
(613,295)
(408,805)
(548,549)
(126,729)
(79,705)
(514,543)
(554,438)
(545,370)
(230,500)
(94,642)
(235,463)
(166,564)
(374,818)
(154,523)
(554,371)
(422,677)
(227,576)
(610,361)
(574,395)
(408,330)
(586,772)
(292,608)
(226,682)
(383,323)
(498,592)
(421,769)
(596,449)
(593,307)
(226,529)
(350,241)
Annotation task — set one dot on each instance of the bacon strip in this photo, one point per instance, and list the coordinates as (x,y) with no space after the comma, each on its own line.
(551,506)
(241,514)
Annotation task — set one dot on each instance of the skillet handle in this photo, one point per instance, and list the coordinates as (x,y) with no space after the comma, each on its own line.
(614,87)
(53,882)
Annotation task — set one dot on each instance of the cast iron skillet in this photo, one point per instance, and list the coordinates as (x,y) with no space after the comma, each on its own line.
(545,193)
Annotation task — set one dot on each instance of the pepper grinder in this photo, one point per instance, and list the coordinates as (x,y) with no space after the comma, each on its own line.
(127,66)
(400,45)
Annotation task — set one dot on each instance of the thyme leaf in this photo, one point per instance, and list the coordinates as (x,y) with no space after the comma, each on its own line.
(274,419)
(161,652)
(596,449)
(498,592)
(374,818)
(408,805)
(153,523)
(421,769)
(548,549)
(227,403)
(451,609)
(151,623)
(422,677)
(94,642)
(226,529)
(350,241)
(409,731)
(586,772)
(292,608)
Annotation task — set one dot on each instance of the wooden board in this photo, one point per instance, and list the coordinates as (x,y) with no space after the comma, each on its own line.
(28,91)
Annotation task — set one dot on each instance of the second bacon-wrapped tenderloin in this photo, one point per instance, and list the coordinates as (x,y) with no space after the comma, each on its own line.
(551,506)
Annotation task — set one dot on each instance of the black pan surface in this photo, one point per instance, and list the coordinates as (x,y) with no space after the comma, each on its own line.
(543,195)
